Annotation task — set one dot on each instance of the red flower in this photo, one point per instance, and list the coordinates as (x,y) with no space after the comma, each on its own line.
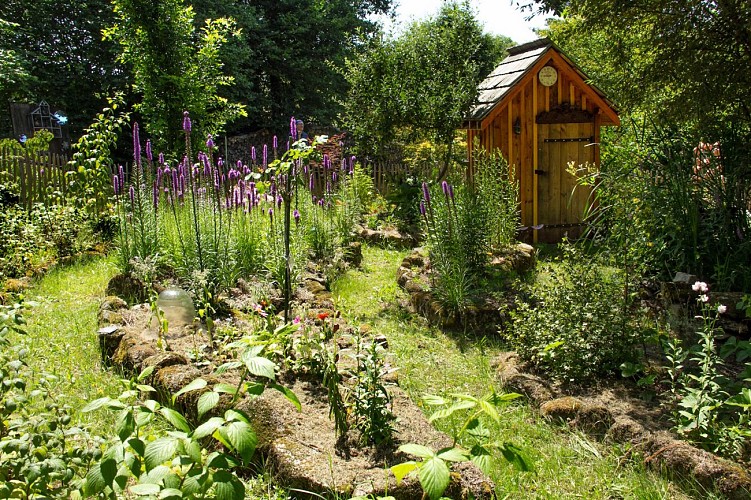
(323,315)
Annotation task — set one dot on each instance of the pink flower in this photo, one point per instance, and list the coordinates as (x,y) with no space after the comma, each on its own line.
(700,286)
(722,309)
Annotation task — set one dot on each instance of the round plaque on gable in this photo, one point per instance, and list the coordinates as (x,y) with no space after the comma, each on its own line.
(548,76)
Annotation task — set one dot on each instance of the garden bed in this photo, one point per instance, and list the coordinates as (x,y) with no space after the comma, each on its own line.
(302,448)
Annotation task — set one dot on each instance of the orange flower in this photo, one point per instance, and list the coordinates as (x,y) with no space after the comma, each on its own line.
(323,315)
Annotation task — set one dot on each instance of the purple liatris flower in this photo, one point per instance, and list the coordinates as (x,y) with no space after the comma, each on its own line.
(253,153)
(326,162)
(116,184)
(279,200)
(276,142)
(121,174)
(296,215)
(333,176)
(132,194)
(311,182)
(271,214)
(210,143)
(451,192)
(187,125)
(293,128)
(136,144)
(149,155)
(425,192)
(445,188)
(265,155)
(161,158)
(422,207)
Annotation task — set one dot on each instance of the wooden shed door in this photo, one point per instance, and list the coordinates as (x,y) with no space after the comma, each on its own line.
(560,202)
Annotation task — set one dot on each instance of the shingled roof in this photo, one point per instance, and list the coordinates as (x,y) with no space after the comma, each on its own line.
(510,71)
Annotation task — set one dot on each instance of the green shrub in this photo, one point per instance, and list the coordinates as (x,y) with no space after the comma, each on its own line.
(576,324)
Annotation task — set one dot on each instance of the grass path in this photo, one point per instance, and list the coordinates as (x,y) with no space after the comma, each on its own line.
(569,465)
(62,337)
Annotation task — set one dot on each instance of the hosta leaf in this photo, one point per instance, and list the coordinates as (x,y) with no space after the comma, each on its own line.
(401,470)
(159,451)
(207,402)
(195,385)
(259,366)
(434,477)
(174,418)
(207,428)
(417,450)
(228,487)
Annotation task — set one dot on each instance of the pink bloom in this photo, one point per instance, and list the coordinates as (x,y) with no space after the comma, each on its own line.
(700,286)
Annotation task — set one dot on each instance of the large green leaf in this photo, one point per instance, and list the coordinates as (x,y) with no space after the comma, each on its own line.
(452,455)
(225,388)
(159,451)
(288,394)
(433,400)
(481,458)
(126,424)
(417,450)
(490,410)
(401,470)
(434,477)
(259,366)
(207,402)
(517,457)
(174,418)
(208,427)
(96,404)
(145,489)
(459,405)
(195,385)
(228,487)
(242,438)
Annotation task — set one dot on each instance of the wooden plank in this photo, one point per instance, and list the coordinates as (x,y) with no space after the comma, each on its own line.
(510,133)
(584,102)
(535,186)
(527,161)
(554,173)
(571,94)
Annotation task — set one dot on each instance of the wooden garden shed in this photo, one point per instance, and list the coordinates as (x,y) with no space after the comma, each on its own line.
(537,108)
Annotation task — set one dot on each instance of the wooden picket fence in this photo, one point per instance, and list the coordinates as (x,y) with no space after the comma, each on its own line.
(40,177)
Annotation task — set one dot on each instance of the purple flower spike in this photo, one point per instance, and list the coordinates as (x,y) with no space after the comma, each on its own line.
(132,194)
(451,192)
(296,215)
(426,192)
(116,184)
(279,201)
(326,162)
(187,125)
(445,188)
(121,174)
(265,155)
(253,153)
(276,142)
(271,214)
(210,143)
(161,158)
(136,144)
(422,207)
(149,155)
(293,128)
(333,176)
(311,183)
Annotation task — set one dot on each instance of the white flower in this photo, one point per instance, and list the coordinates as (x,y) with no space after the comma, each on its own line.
(722,309)
(700,286)
(704,297)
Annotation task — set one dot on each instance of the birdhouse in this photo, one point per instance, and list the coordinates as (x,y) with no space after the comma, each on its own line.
(537,108)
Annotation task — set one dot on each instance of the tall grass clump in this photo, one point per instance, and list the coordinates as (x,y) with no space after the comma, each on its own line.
(464,224)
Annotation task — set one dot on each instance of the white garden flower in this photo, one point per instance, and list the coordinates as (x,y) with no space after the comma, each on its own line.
(722,309)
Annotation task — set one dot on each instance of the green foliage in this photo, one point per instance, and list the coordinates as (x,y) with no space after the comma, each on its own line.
(29,240)
(495,186)
(577,324)
(710,408)
(426,80)
(370,402)
(175,67)
(433,470)
(89,179)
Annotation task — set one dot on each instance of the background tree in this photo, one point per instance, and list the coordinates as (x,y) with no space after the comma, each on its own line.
(425,80)
(68,63)
(174,68)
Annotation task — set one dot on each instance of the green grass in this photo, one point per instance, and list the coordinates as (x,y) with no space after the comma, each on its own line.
(62,338)
(569,465)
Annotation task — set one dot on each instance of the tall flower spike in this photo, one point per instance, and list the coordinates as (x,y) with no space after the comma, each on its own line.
(210,143)
(445,188)
(136,145)
(265,155)
(276,142)
(149,155)
(425,192)
(422,207)
(116,184)
(187,125)
(293,128)
(253,153)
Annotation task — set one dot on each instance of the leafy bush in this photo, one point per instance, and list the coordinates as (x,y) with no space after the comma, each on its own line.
(577,324)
